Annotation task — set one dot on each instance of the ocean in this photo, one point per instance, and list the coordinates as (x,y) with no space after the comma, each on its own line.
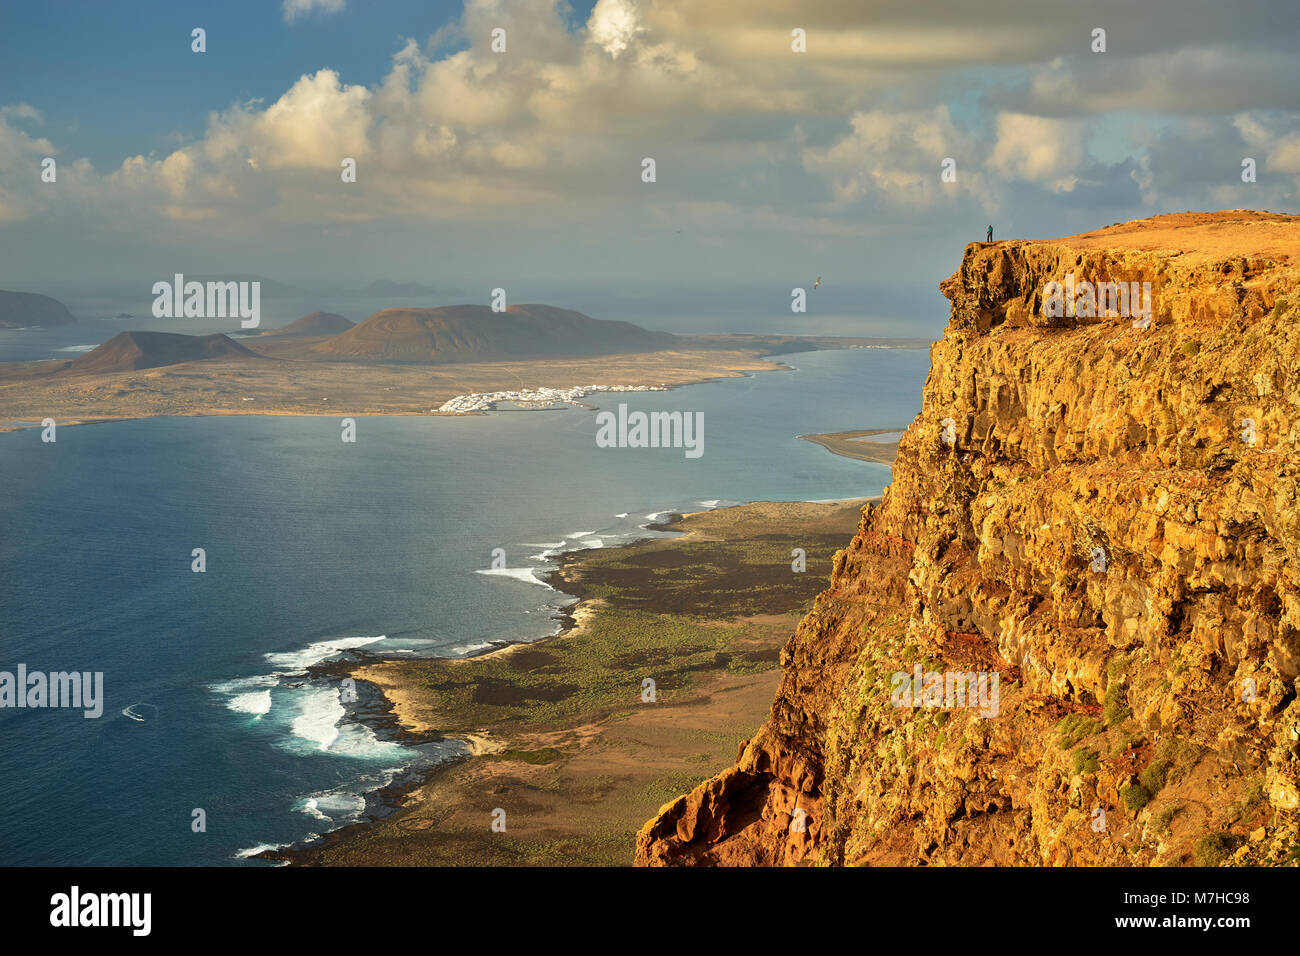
(317,550)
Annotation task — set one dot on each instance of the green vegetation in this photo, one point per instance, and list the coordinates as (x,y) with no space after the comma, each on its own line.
(1172,760)
(1074,728)
(1085,761)
(597,670)
(672,610)
(1135,797)
(1153,776)
(1127,741)
(704,577)
(668,788)
(1165,817)
(1116,667)
(1213,848)
(1191,347)
(1251,798)
(1114,708)
(1279,307)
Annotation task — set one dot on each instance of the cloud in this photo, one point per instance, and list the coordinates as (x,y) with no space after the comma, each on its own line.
(1276,136)
(845,139)
(1191,80)
(20,151)
(22,111)
(614,25)
(1039,149)
(1195,162)
(293,9)
(894,158)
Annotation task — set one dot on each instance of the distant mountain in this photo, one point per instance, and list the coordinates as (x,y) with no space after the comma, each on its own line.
(137,350)
(471,333)
(270,288)
(317,323)
(22,309)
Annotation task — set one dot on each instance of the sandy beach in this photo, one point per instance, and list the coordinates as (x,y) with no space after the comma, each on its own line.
(853,444)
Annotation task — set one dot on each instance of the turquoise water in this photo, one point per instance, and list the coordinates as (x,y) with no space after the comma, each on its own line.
(316,550)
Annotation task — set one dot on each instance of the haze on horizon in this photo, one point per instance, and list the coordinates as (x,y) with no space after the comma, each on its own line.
(523,168)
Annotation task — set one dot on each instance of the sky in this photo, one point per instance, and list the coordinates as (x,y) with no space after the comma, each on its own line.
(524,168)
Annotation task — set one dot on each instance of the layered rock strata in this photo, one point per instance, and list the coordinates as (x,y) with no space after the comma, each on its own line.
(1103,516)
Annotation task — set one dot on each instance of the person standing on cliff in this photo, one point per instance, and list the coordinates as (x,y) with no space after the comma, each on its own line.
(990,233)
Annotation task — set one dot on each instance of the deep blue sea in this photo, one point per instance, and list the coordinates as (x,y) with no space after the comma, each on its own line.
(316,548)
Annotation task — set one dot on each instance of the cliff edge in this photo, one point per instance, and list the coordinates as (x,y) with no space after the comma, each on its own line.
(1094,522)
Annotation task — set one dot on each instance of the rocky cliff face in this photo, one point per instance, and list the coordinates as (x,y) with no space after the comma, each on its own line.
(1104,518)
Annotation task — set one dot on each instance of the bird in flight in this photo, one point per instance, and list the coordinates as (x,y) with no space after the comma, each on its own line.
(818,282)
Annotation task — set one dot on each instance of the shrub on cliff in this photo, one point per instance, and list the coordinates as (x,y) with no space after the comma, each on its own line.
(1135,797)
(1165,818)
(1213,848)
(1172,760)
(1074,728)
(1114,708)
(1085,761)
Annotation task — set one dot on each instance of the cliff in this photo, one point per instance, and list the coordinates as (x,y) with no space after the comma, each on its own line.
(1108,524)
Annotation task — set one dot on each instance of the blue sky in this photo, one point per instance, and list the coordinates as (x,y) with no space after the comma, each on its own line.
(121,76)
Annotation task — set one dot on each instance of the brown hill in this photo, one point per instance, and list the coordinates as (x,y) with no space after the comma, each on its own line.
(136,350)
(471,333)
(317,323)
(22,309)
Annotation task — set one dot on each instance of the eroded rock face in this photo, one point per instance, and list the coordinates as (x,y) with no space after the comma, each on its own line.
(1113,531)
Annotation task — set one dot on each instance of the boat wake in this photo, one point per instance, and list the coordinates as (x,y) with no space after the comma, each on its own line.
(141,712)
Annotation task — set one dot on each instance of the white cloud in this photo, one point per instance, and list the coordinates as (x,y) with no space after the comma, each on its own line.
(293,9)
(1275,137)
(896,159)
(559,125)
(1040,149)
(614,25)
(21,111)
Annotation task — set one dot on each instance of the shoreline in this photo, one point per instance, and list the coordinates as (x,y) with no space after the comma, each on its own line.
(415,717)
(25,425)
(293,385)
(402,714)
(848,444)
(397,719)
